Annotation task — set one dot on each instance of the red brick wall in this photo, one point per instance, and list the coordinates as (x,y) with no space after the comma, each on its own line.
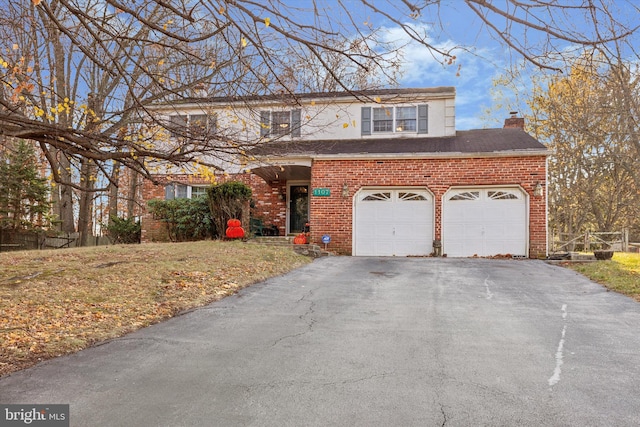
(333,215)
(267,201)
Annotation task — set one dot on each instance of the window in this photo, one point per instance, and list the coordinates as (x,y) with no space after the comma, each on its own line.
(181,191)
(405,119)
(192,125)
(383,119)
(377,197)
(502,195)
(395,119)
(198,191)
(466,195)
(202,125)
(411,196)
(280,123)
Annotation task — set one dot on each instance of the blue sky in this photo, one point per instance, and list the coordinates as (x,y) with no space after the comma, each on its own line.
(483,59)
(473,72)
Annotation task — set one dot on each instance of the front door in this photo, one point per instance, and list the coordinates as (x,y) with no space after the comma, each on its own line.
(298,208)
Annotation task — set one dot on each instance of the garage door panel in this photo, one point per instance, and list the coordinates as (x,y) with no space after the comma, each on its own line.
(393,222)
(484,222)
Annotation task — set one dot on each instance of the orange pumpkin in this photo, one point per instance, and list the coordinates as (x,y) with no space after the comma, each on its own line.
(300,239)
(235,232)
(234,229)
(234,223)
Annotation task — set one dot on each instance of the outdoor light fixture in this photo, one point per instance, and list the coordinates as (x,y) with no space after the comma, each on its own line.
(345,190)
(537,190)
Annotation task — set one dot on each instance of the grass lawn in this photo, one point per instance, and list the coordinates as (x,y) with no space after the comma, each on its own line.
(620,274)
(60,301)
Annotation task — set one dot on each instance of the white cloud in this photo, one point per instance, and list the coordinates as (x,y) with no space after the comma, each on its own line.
(471,73)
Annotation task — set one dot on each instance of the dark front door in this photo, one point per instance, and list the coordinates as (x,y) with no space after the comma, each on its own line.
(298,208)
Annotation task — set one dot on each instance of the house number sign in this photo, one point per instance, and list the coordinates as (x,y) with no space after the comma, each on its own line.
(321,192)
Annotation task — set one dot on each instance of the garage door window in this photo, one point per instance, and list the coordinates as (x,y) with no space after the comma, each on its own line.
(377,197)
(411,196)
(503,195)
(467,195)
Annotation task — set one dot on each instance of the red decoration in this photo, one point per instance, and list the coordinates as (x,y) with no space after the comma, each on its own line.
(300,239)
(234,229)
(234,223)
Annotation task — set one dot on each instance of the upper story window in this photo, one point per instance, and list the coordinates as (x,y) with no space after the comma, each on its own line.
(395,120)
(280,123)
(192,125)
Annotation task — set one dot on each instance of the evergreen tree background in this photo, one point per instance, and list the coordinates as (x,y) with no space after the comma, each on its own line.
(24,194)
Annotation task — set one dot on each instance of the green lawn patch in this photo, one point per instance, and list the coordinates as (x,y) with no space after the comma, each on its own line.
(620,274)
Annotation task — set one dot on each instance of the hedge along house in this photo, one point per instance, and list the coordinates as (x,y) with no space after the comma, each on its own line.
(385,173)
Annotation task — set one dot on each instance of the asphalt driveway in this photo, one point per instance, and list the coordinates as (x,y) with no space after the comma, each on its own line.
(368,342)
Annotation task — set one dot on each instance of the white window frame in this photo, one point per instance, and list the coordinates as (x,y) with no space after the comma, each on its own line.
(392,119)
(397,119)
(185,121)
(182,191)
(279,123)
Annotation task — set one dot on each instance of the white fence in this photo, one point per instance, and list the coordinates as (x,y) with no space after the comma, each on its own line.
(589,241)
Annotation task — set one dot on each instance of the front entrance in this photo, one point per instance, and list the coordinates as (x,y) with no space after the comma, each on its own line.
(298,207)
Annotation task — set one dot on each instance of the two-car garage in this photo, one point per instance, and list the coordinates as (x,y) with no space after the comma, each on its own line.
(476,221)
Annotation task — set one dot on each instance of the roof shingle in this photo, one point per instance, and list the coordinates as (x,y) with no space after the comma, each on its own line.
(470,141)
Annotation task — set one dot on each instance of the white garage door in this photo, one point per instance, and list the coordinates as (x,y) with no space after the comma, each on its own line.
(393,222)
(484,222)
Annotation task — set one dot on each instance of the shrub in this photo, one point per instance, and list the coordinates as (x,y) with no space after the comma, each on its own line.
(185,219)
(227,201)
(123,230)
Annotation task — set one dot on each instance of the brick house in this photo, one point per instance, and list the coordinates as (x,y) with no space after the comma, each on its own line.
(383,173)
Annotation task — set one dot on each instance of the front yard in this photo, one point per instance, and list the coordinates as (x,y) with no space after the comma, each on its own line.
(58,302)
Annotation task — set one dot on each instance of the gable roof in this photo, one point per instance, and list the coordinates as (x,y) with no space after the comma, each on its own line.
(480,141)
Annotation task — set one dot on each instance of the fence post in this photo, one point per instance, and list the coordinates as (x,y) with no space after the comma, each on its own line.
(587,241)
(625,240)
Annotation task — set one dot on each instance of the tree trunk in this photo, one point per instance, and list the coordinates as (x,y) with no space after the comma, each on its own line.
(85,207)
(64,193)
(113,190)
(133,189)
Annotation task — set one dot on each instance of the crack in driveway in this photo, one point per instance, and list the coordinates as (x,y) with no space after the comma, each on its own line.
(305,317)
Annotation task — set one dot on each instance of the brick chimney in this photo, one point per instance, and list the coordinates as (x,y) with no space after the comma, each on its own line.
(514,122)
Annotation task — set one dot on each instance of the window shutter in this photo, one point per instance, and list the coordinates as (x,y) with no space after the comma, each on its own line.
(177,126)
(423,118)
(295,123)
(265,123)
(366,121)
(169,192)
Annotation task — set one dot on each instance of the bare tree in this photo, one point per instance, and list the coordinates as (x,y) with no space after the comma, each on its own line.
(53,53)
(238,47)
